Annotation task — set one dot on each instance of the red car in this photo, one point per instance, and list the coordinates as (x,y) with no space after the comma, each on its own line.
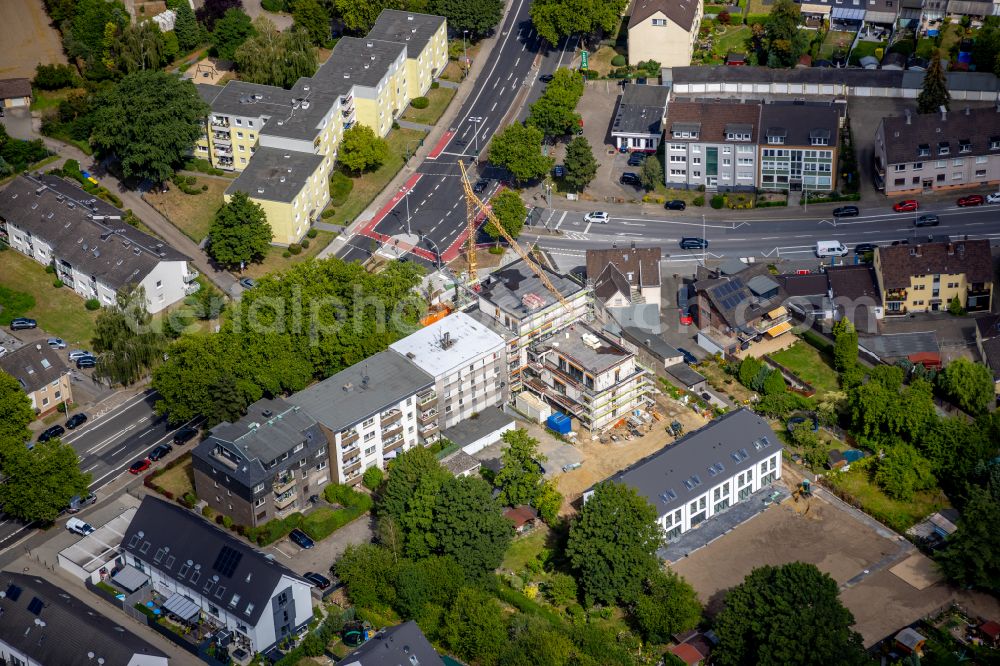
(139,466)
(971,200)
(906,206)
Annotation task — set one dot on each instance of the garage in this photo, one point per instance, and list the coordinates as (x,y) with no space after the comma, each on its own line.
(15,93)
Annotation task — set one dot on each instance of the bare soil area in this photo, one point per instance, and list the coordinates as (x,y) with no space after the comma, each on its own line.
(29,39)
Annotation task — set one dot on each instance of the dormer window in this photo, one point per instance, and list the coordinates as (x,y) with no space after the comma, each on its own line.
(732,136)
(944,148)
(965,146)
(995,143)
(820,141)
(775,140)
(923,150)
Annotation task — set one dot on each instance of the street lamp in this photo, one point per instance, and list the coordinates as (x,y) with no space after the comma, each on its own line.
(548,195)
(406,197)
(465,55)
(437,250)
(476,120)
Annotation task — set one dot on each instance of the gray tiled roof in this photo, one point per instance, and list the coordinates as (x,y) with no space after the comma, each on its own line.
(362,390)
(402,645)
(88,233)
(991,354)
(900,345)
(11,88)
(641,110)
(685,374)
(905,135)
(276,175)
(359,62)
(409,28)
(34,366)
(694,453)
(799,123)
(988,326)
(681,12)
(51,626)
(507,286)
(271,428)
(642,262)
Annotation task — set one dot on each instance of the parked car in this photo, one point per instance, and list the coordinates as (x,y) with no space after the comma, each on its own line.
(139,466)
(77,354)
(906,206)
(689,358)
(54,431)
(76,420)
(160,452)
(630,178)
(56,343)
(86,362)
(319,580)
(77,526)
(846,211)
(636,159)
(831,248)
(970,200)
(480,186)
(78,503)
(301,539)
(693,243)
(927,221)
(248,283)
(863,248)
(993,198)
(675,204)
(546,78)
(184,435)
(22,323)
(3,350)
(598,216)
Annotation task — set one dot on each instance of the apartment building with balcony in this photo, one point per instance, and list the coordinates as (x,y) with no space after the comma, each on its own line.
(93,250)
(712,145)
(371,412)
(586,375)
(468,362)
(519,306)
(938,151)
(43,375)
(264,466)
(426,39)
(927,276)
(798,147)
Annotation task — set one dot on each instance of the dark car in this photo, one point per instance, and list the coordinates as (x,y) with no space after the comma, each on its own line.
(78,503)
(248,283)
(480,186)
(184,435)
(636,159)
(320,581)
(546,78)
(301,539)
(139,466)
(160,452)
(846,211)
(693,243)
(971,200)
(630,178)
(689,358)
(86,362)
(54,431)
(76,420)
(22,323)
(558,171)
(927,221)
(676,204)
(864,248)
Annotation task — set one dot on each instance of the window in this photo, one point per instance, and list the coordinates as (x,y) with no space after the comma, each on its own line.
(820,141)
(696,174)
(923,150)
(259,487)
(899,167)
(982,159)
(744,161)
(994,144)
(957,162)
(677,172)
(321,451)
(260,500)
(737,136)
(727,150)
(678,158)
(957,175)
(369,436)
(159,284)
(944,149)
(900,181)
(964,147)
(239,134)
(727,162)
(299,447)
(940,164)
(368,422)
(370,451)
(696,160)
(776,140)
(980,173)
(659,22)
(918,165)
(677,146)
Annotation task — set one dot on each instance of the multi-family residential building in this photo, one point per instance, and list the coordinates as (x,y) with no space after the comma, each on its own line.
(206,575)
(706,471)
(625,276)
(371,412)
(403,644)
(587,376)
(94,251)
(936,151)
(426,39)
(712,145)
(663,30)
(467,360)
(638,121)
(264,466)
(798,147)
(43,625)
(926,277)
(518,305)
(42,374)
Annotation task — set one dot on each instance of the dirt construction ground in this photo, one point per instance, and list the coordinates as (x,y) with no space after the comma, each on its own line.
(28,39)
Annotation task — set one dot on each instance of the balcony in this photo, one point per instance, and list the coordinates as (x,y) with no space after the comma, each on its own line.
(427,429)
(895,295)
(284,500)
(390,417)
(426,399)
(392,447)
(391,431)
(224,459)
(221,137)
(220,123)
(354,466)
(192,288)
(428,416)
(973,292)
(283,483)
(223,150)
(191,275)
(347,437)
(350,453)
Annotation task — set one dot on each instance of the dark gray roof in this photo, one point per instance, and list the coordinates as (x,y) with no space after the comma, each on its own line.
(51,626)
(11,88)
(471,430)
(34,366)
(362,390)
(799,123)
(402,645)
(988,326)
(295,114)
(177,536)
(88,233)
(654,343)
(681,12)
(357,62)
(906,135)
(507,287)
(276,175)
(242,98)
(208,92)
(610,282)
(901,345)
(761,284)
(409,28)
(854,282)
(685,374)
(991,354)
(813,284)
(459,462)
(733,299)
(600,357)
(655,476)
(641,110)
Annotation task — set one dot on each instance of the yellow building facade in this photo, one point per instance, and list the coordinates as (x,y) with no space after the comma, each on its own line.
(927,277)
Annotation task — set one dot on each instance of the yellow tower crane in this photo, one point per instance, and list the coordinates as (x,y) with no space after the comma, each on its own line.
(474,205)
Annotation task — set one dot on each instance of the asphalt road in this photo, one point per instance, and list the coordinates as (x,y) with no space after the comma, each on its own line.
(434,205)
(107,446)
(756,235)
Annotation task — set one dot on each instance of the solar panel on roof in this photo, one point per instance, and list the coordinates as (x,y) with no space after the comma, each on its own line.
(227,561)
(13,592)
(36,606)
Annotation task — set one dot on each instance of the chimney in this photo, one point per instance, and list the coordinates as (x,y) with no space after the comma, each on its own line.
(944,113)
(968,111)
(918,252)
(909,116)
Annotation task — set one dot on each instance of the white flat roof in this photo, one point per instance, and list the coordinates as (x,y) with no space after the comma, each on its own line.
(100,546)
(467,340)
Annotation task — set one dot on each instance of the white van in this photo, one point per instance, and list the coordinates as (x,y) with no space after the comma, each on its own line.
(830,249)
(78,526)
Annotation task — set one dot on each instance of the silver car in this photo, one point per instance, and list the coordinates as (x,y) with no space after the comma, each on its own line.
(57,343)
(77,354)
(599,216)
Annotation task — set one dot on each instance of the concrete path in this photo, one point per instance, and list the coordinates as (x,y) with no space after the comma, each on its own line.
(326,226)
(454,85)
(414,126)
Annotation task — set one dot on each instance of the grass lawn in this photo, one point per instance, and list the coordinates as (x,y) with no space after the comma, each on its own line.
(808,363)
(191,213)
(177,480)
(734,41)
(900,515)
(866,49)
(835,40)
(367,186)
(49,99)
(439,99)
(524,549)
(58,311)
(758,7)
(950,35)
(601,60)
(274,262)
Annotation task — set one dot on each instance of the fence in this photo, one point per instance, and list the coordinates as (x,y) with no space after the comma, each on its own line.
(804,387)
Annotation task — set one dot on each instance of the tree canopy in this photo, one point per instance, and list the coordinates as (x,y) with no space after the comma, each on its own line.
(312,17)
(651,173)
(275,58)
(127,342)
(212,11)
(519,149)
(187,28)
(359,16)
(230,32)
(239,233)
(778,42)
(554,113)
(477,16)
(469,527)
(361,149)
(41,481)
(581,167)
(668,605)
(510,210)
(968,384)
(15,415)
(845,345)
(934,90)
(554,19)
(972,555)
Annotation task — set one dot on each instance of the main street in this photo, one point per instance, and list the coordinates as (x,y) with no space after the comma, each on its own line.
(107,446)
(431,203)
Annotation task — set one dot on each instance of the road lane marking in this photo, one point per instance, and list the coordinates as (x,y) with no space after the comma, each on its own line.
(100,421)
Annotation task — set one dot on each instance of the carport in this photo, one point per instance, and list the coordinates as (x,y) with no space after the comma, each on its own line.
(130,579)
(181,607)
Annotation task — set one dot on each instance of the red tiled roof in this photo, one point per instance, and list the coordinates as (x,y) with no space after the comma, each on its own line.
(520,515)
(991,629)
(688,653)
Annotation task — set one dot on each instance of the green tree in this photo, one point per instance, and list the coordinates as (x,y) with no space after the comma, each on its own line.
(774,383)
(468,525)
(845,345)
(128,344)
(372,478)
(554,19)
(521,472)
(548,500)
(150,122)
(55,77)
(651,173)
(510,210)
(581,167)
(668,605)
(41,481)
(783,43)
(240,232)
(560,588)
(138,47)
(474,627)
(555,111)
(431,581)
(15,415)
(519,149)
(186,27)
(969,385)
(405,474)
(359,16)
(361,150)
(902,471)
(612,543)
(275,58)
(311,16)
(476,16)
(790,615)
(955,308)
(934,91)
(212,11)
(535,642)
(86,30)
(750,369)
(972,555)
(225,402)
(369,573)
(231,31)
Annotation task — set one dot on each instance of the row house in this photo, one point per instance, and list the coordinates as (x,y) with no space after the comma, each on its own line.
(43,375)
(926,277)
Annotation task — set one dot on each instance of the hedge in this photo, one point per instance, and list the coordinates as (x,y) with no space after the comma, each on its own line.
(619,61)
(771,204)
(420,102)
(275,529)
(831,197)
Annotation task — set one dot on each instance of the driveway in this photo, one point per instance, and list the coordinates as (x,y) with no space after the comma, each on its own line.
(321,557)
(17,122)
(253,10)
